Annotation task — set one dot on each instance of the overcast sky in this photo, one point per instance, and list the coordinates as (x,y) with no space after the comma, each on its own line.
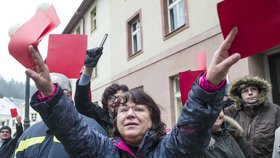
(20,11)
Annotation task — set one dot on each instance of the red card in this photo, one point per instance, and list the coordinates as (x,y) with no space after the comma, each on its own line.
(201,60)
(31,33)
(186,80)
(66,54)
(14,112)
(258,23)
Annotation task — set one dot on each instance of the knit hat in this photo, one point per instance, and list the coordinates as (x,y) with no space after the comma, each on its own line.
(7,128)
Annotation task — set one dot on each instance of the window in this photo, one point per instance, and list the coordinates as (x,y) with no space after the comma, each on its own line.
(93,19)
(177,97)
(78,30)
(174,16)
(134,34)
(33,116)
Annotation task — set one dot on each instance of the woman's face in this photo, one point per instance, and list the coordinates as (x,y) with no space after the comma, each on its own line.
(133,121)
(112,100)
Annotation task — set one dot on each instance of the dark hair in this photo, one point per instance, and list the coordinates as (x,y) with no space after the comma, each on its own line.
(140,97)
(111,90)
(7,128)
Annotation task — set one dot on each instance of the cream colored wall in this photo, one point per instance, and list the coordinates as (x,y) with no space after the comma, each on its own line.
(202,16)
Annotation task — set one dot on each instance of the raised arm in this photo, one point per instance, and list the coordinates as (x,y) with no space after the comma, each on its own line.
(60,115)
(192,133)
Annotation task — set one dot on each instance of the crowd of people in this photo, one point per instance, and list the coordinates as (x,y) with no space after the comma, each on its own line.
(215,122)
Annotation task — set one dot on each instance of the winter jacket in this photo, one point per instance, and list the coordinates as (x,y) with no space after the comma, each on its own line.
(39,142)
(188,138)
(86,107)
(259,121)
(276,145)
(227,143)
(8,146)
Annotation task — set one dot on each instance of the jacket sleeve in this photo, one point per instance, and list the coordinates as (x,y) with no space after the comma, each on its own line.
(86,107)
(83,101)
(192,133)
(19,129)
(66,123)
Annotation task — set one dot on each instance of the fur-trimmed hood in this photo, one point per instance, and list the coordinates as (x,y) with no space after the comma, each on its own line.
(236,88)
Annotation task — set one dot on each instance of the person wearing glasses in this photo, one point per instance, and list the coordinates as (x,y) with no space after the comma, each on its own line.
(7,143)
(103,115)
(257,116)
(139,131)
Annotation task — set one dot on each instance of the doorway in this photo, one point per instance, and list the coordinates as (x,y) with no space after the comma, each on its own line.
(274,68)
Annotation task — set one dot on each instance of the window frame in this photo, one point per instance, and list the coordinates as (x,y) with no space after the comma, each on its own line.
(165,20)
(135,17)
(93,19)
(176,102)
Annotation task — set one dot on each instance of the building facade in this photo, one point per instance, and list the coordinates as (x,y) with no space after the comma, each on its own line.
(150,42)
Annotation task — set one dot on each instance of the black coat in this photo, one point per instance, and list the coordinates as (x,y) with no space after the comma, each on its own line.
(86,107)
(8,147)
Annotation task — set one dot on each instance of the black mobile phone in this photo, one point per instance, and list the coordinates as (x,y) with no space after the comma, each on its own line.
(103,40)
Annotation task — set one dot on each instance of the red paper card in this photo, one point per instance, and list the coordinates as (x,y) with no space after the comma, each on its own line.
(30,33)
(66,54)
(258,23)
(14,112)
(201,60)
(186,80)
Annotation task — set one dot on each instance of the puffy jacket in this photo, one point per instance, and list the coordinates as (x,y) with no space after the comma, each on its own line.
(86,107)
(189,137)
(8,146)
(39,142)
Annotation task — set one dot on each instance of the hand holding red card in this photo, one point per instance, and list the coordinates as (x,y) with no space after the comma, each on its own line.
(14,112)
(31,33)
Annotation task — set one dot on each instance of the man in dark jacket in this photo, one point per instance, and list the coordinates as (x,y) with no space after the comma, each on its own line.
(226,140)
(38,141)
(84,105)
(257,116)
(8,143)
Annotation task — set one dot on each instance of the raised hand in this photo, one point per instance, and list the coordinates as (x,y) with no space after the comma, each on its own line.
(93,56)
(41,75)
(221,62)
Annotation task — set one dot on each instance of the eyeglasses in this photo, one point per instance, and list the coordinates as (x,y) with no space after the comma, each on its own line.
(112,98)
(136,109)
(251,89)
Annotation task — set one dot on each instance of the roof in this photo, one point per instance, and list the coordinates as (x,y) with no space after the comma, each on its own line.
(78,15)
(6,105)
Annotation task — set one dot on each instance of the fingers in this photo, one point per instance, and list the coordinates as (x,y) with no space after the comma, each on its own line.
(32,74)
(229,39)
(231,60)
(39,62)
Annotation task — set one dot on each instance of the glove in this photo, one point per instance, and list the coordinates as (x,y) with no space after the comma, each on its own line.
(92,57)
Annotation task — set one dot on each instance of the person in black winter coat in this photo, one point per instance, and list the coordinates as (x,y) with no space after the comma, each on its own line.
(226,140)
(103,115)
(8,143)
